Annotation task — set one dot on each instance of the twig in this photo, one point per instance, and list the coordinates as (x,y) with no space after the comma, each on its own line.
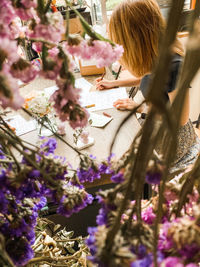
(51,259)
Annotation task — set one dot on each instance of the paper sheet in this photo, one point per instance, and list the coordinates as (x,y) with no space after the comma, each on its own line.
(99,120)
(103,99)
(86,63)
(50,90)
(79,83)
(21,125)
(83,84)
(80,145)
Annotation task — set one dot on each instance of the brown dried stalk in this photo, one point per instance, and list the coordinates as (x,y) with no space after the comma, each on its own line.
(148,140)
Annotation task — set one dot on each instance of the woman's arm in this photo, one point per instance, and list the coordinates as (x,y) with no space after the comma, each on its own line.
(108,84)
(126,80)
(185,108)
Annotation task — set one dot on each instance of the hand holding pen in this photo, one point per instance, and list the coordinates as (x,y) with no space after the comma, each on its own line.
(102,84)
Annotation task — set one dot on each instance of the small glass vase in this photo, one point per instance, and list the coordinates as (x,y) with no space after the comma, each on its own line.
(50,123)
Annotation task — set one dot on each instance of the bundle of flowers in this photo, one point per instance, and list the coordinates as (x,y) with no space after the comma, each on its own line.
(27,182)
(25,186)
(134,244)
(38,104)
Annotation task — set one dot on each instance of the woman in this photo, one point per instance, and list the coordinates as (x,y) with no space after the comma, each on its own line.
(137,25)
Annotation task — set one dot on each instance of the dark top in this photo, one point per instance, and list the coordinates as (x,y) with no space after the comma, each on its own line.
(172,80)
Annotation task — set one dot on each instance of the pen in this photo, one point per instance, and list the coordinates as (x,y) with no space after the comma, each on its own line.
(102,79)
(90,106)
(117,75)
(107,115)
(133,91)
(102,76)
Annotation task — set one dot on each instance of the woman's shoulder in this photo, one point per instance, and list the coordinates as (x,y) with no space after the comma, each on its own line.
(174,71)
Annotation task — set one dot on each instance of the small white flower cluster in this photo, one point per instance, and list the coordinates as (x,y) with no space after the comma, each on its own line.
(39,104)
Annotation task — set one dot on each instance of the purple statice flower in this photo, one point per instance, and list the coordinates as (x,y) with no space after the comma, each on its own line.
(31,218)
(19,250)
(145,262)
(90,241)
(18,227)
(61,176)
(102,217)
(3,203)
(29,189)
(141,251)
(2,155)
(189,251)
(30,236)
(148,216)
(88,175)
(105,169)
(165,242)
(39,205)
(49,145)
(153,177)
(75,199)
(2,177)
(34,173)
(117,178)
(172,261)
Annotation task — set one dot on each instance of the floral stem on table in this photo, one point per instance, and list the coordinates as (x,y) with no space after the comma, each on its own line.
(56,134)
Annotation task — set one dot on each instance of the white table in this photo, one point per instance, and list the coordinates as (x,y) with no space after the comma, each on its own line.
(103,136)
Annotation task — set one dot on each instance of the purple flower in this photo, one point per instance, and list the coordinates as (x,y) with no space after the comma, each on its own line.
(42,202)
(172,261)
(49,146)
(117,178)
(153,177)
(88,175)
(148,215)
(165,242)
(189,251)
(141,251)
(90,241)
(34,174)
(102,217)
(75,199)
(104,169)
(19,250)
(145,262)
(3,203)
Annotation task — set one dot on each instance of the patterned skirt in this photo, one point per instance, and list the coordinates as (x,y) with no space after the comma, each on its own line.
(188,146)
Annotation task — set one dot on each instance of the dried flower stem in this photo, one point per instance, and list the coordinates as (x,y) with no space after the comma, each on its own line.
(51,259)
(57,135)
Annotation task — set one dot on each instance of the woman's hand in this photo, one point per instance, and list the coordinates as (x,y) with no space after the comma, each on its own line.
(104,84)
(125,104)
